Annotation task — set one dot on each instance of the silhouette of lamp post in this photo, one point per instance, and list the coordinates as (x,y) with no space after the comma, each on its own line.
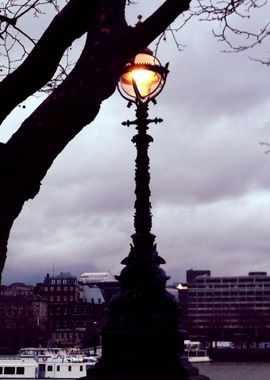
(142,333)
(141,81)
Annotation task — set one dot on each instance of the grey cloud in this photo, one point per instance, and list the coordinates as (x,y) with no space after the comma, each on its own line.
(209,176)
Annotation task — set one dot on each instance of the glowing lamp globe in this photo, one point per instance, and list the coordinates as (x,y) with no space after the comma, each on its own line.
(143,77)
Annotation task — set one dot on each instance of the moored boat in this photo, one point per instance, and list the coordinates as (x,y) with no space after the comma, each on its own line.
(197,356)
(30,368)
(58,355)
(194,353)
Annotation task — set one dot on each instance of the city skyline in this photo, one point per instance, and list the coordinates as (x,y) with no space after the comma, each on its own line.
(209,174)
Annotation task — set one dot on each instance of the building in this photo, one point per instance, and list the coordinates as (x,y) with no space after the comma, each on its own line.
(66,322)
(23,321)
(17,289)
(192,274)
(75,310)
(235,308)
(62,288)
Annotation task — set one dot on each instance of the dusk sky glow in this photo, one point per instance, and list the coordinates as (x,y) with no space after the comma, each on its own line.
(210,177)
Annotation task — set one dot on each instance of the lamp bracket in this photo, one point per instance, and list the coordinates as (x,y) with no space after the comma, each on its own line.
(128,123)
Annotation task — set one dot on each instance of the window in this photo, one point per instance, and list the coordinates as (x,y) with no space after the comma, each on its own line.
(58,288)
(9,370)
(65,288)
(69,368)
(49,368)
(1,370)
(59,282)
(53,282)
(45,288)
(51,288)
(20,371)
(81,368)
(64,282)
(58,368)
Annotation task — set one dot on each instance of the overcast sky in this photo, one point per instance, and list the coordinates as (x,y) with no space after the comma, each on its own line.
(210,177)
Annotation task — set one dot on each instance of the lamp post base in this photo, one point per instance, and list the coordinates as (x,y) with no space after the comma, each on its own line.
(143,353)
(98,375)
(142,334)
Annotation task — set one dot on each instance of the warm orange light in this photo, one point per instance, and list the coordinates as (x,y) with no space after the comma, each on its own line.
(143,77)
(146,81)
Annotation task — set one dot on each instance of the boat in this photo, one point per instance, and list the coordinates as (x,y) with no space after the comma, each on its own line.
(43,363)
(30,368)
(72,355)
(195,353)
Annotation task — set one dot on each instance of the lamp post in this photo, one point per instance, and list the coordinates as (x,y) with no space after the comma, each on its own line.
(141,81)
(142,334)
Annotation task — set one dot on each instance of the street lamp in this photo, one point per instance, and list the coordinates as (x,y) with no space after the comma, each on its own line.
(141,81)
(142,333)
(143,78)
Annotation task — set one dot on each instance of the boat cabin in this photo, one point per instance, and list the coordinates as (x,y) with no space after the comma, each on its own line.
(30,368)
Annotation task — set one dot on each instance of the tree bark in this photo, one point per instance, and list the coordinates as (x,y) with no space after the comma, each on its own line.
(27,156)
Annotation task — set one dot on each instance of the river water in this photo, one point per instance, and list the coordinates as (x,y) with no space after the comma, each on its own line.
(235,371)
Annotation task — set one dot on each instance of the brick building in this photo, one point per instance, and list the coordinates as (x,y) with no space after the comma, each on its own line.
(71,312)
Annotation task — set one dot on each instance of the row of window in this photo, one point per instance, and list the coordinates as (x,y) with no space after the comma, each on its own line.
(66,324)
(234,292)
(225,286)
(232,300)
(251,306)
(67,335)
(249,314)
(59,288)
(59,298)
(63,281)
(50,368)
(233,280)
(12,370)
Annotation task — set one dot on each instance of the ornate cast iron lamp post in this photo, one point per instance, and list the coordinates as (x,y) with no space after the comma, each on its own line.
(142,335)
(142,80)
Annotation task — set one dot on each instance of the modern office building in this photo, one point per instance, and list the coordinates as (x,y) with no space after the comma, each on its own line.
(227,308)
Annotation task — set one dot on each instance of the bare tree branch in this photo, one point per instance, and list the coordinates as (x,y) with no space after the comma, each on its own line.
(68,25)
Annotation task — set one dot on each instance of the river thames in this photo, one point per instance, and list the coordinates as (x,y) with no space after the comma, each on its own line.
(235,371)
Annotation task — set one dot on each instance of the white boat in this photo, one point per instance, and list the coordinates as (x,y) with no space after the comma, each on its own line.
(30,368)
(197,356)
(55,354)
(194,353)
